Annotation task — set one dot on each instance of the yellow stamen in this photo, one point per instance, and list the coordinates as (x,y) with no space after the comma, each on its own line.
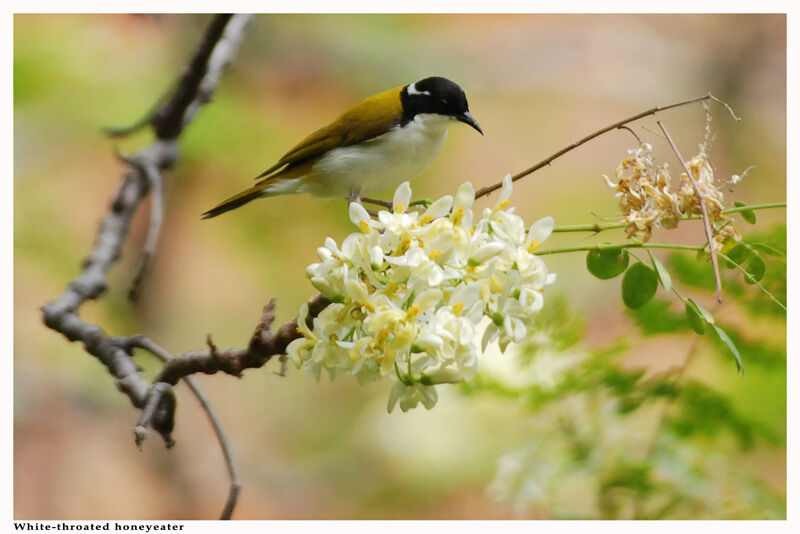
(458,307)
(399,208)
(435,254)
(364,226)
(534,245)
(458,215)
(403,247)
(412,312)
(495,284)
(382,335)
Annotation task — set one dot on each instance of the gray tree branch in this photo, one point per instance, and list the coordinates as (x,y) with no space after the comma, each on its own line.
(217,49)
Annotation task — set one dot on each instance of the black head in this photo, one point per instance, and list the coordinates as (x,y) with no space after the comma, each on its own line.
(436,95)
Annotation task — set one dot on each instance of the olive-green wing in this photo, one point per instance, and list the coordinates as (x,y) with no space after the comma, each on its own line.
(368,119)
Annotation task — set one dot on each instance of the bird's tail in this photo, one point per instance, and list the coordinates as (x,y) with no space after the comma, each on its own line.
(237,200)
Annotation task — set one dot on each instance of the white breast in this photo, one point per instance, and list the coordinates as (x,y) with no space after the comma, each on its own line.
(380,164)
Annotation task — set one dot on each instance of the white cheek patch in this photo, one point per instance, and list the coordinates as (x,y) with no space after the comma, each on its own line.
(412,90)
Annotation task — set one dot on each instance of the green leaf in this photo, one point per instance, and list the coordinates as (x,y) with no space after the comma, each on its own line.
(725,339)
(749,260)
(756,268)
(747,215)
(696,320)
(607,263)
(704,313)
(656,317)
(638,285)
(766,249)
(663,275)
(738,254)
(689,272)
(700,410)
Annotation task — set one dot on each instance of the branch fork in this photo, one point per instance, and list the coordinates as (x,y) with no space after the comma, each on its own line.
(172,113)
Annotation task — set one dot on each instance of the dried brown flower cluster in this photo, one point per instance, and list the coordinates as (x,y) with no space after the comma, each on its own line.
(643,190)
(646,200)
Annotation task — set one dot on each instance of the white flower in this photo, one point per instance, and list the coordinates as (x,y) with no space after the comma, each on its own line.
(485,252)
(508,188)
(439,208)
(462,205)
(411,288)
(541,229)
(411,395)
(420,267)
(402,198)
(360,217)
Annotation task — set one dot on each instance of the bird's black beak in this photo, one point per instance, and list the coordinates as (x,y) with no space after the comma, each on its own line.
(466,118)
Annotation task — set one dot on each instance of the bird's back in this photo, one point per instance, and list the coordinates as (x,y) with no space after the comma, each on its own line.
(366,120)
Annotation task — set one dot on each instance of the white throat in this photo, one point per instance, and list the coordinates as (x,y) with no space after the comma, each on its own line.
(432,121)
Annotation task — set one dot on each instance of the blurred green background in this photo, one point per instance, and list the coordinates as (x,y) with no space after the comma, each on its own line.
(330,450)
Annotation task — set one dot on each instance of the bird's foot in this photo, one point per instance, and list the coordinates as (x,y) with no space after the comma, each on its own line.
(355,195)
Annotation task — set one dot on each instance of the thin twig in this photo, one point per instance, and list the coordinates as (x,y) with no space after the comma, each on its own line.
(227,452)
(159,399)
(145,343)
(638,139)
(725,104)
(652,111)
(378,202)
(154,232)
(703,210)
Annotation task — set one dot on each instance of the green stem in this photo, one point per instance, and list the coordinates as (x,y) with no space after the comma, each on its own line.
(600,226)
(755,207)
(592,227)
(748,277)
(604,246)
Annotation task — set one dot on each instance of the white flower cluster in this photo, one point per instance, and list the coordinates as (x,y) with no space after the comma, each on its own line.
(409,290)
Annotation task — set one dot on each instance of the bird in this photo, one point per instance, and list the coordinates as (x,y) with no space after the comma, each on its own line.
(376,145)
